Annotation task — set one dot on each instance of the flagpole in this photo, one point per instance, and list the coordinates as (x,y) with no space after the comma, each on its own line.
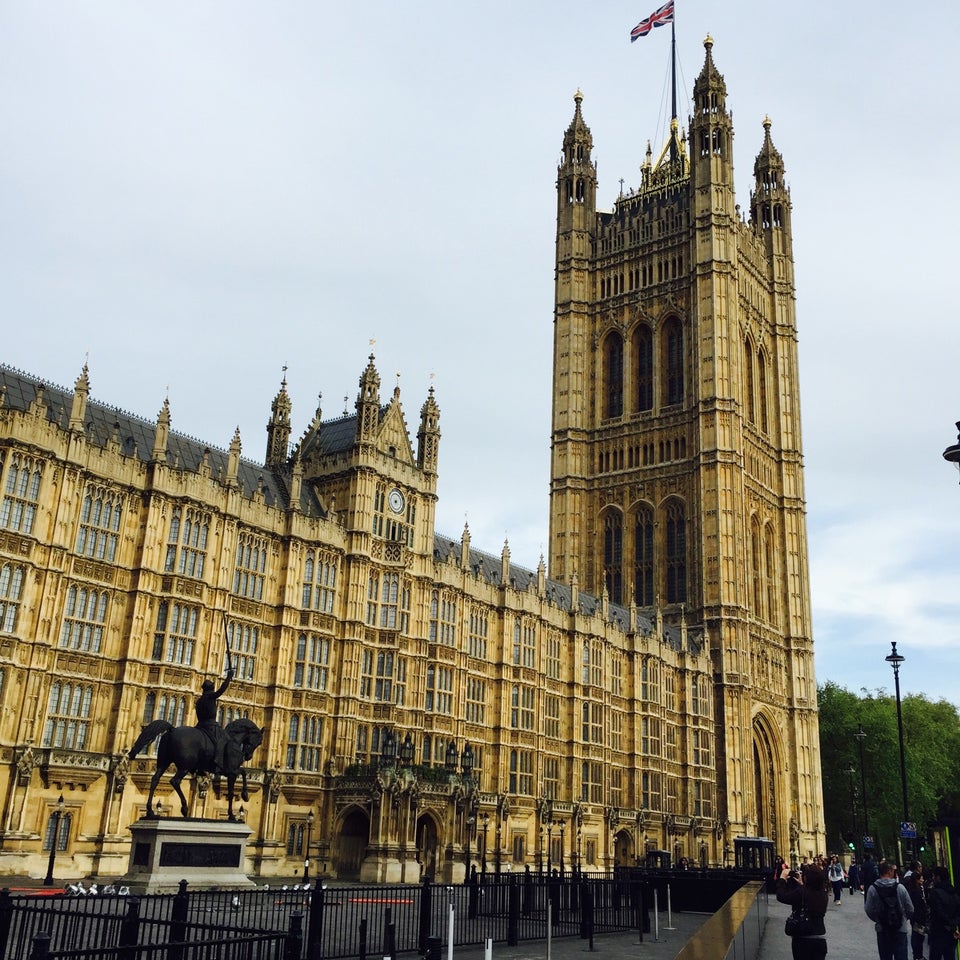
(673,85)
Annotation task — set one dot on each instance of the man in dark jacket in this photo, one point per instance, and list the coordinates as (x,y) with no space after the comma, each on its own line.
(868,873)
(944,905)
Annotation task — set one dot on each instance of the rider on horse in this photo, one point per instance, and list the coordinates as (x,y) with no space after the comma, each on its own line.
(206,707)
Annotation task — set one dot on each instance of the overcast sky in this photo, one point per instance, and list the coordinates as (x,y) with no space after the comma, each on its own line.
(197,193)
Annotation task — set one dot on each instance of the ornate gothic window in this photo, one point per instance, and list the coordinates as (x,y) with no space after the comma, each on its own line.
(176,632)
(99,530)
(748,386)
(770,558)
(244,640)
(643,595)
(83,618)
(304,736)
(762,389)
(248,577)
(673,362)
(11,586)
(319,582)
(21,493)
(613,375)
(187,542)
(613,555)
(312,663)
(643,354)
(676,553)
(68,716)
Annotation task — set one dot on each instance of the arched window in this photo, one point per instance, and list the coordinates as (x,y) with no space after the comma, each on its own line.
(643,353)
(673,362)
(762,388)
(748,387)
(613,555)
(676,553)
(756,567)
(613,375)
(771,576)
(643,558)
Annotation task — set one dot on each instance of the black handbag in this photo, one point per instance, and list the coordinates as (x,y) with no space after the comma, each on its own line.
(799,923)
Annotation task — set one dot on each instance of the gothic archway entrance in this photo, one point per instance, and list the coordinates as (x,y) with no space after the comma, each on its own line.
(351,845)
(624,850)
(428,846)
(765,773)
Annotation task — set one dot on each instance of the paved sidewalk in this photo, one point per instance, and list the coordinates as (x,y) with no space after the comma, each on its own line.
(665,947)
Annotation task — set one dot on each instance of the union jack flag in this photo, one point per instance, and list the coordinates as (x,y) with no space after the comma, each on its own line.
(658,18)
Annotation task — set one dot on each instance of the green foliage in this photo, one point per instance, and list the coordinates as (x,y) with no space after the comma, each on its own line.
(932,759)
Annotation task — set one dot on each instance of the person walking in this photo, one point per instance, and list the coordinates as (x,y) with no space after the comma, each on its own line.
(944,922)
(853,877)
(868,873)
(888,905)
(806,891)
(835,876)
(915,883)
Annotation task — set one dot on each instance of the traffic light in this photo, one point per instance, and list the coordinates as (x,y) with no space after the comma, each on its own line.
(851,844)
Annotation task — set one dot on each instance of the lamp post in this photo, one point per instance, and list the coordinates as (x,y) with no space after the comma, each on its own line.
(952,453)
(57,814)
(861,736)
(895,659)
(563,826)
(306,859)
(497,853)
(540,853)
(485,820)
(853,804)
(549,845)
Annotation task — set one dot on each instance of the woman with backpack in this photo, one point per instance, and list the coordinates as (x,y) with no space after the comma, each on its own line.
(944,925)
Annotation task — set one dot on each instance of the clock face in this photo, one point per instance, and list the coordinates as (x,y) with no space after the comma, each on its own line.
(396,501)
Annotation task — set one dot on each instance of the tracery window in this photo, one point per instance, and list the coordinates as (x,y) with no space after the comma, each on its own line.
(244,640)
(443,619)
(673,362)
(643,354)
(84,616)
(187,542)
(249,575)
(99,531)
(591,781)
(613,555)
(311,665)
(439,694)
(477,636)
(387,606)
(304,738)
(176,632)
(21,494)
(643,557)
(60,824)
(319,582)
(11,587)
(476,702)
(68,716)
(521,772)
(613,375)
(521,707)
(676,553)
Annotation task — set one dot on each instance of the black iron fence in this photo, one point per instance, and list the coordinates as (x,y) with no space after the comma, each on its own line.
(329,922)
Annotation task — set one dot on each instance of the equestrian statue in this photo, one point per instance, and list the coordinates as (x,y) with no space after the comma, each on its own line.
(206,748)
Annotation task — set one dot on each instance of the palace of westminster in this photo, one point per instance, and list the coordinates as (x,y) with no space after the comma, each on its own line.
(428,705)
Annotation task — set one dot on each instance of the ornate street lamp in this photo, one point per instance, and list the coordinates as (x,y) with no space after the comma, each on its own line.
(306,859)
(57,815)
(485,820)
(952,453)
(388,752)
(406,752)
(853,804)
(895,659)
(466,761)
(450,760)
(563,826)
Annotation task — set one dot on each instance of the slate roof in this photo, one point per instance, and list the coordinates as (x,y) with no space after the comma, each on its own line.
(136,436)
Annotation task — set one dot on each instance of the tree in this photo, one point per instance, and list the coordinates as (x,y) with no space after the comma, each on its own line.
(932,761)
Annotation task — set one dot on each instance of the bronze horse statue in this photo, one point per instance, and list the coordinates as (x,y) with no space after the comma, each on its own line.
(190,750)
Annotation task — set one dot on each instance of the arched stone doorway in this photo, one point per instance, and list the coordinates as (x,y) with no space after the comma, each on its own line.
(351,845)
(624,849)
(428,846)
(766,768)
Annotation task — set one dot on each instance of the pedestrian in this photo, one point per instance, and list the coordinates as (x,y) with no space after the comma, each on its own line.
(944,924)
(868,873)
(806,891)
(888,905)
(915,883)
(835,876)
(853,877)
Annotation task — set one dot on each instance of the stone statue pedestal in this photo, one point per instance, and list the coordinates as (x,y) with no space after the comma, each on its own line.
(208,854)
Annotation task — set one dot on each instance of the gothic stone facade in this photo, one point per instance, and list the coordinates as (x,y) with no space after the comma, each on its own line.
(427,705)
(677,480)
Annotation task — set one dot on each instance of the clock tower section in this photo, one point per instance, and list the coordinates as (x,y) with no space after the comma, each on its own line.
(676,459)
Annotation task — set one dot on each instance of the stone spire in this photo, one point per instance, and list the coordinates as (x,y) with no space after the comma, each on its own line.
(81,394)
(278,426)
